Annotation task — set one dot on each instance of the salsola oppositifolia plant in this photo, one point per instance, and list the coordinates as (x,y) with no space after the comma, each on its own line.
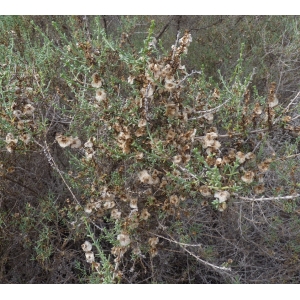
(153,154)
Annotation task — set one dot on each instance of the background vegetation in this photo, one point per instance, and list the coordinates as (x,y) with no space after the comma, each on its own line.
(149,149)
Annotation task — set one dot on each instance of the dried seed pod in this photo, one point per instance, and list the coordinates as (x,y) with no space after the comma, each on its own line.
(264,166)
(142,123)
(140,132)
(145,215)
(76,143)
(11,139)
(257,109)
(174,200)
(86,246)
(123,239)
(63,141)
(177,159)
(11,147)
(222,206)
(139,155)
(153,252)
(286,119)
(153,241)
(170,86)
(171,110)
(272,99)
(25,138)
(259,189)
(133,203)
(248,176)
(209,140)
(100,95)
(109,204)
(17,113)
(130,79)
(89,255)
(219,162)
(97,82)
(205,191)
(88,208)
(222,196)
(28,110)
(115,214)
(241,157)
(209,117)
(250,156)
(145,177)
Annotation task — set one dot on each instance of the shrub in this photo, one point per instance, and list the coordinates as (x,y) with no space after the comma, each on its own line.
(123,166)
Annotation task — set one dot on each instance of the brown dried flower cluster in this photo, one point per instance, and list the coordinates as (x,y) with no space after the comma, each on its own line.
(153,246)
(89,254)
(124,138)
(222,196)
(11,142)
(89,148)
(105,202)
(146,178)
(210,143)
(23,113)
(248,176)
(123,239)
(65,141)
(96,81)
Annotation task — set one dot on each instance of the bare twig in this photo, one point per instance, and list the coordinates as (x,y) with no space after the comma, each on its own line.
(267,199)
(19,183)
(186,171)
(209,110)
(288,108)
(188,75)
(146,101)
(105,25)
(173,241)
(232,134)
(295,117)
(291,102)
(175,46)
(205,262)
(87,28)
(164,28)
(55,167)
(183,246)
(289,156)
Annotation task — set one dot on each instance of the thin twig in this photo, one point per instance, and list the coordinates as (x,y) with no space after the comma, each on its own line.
(173,241)
(289,156)
(205,262)
(146,101)
(105,25)
(164,28)
(188,75)
(183,246)
(186,171)
(291,102)
(267,199)
(209,110)
(86,28)
(17,182)
(287,108)
(175,46)
(295,117)
(54,166)
(231,134)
